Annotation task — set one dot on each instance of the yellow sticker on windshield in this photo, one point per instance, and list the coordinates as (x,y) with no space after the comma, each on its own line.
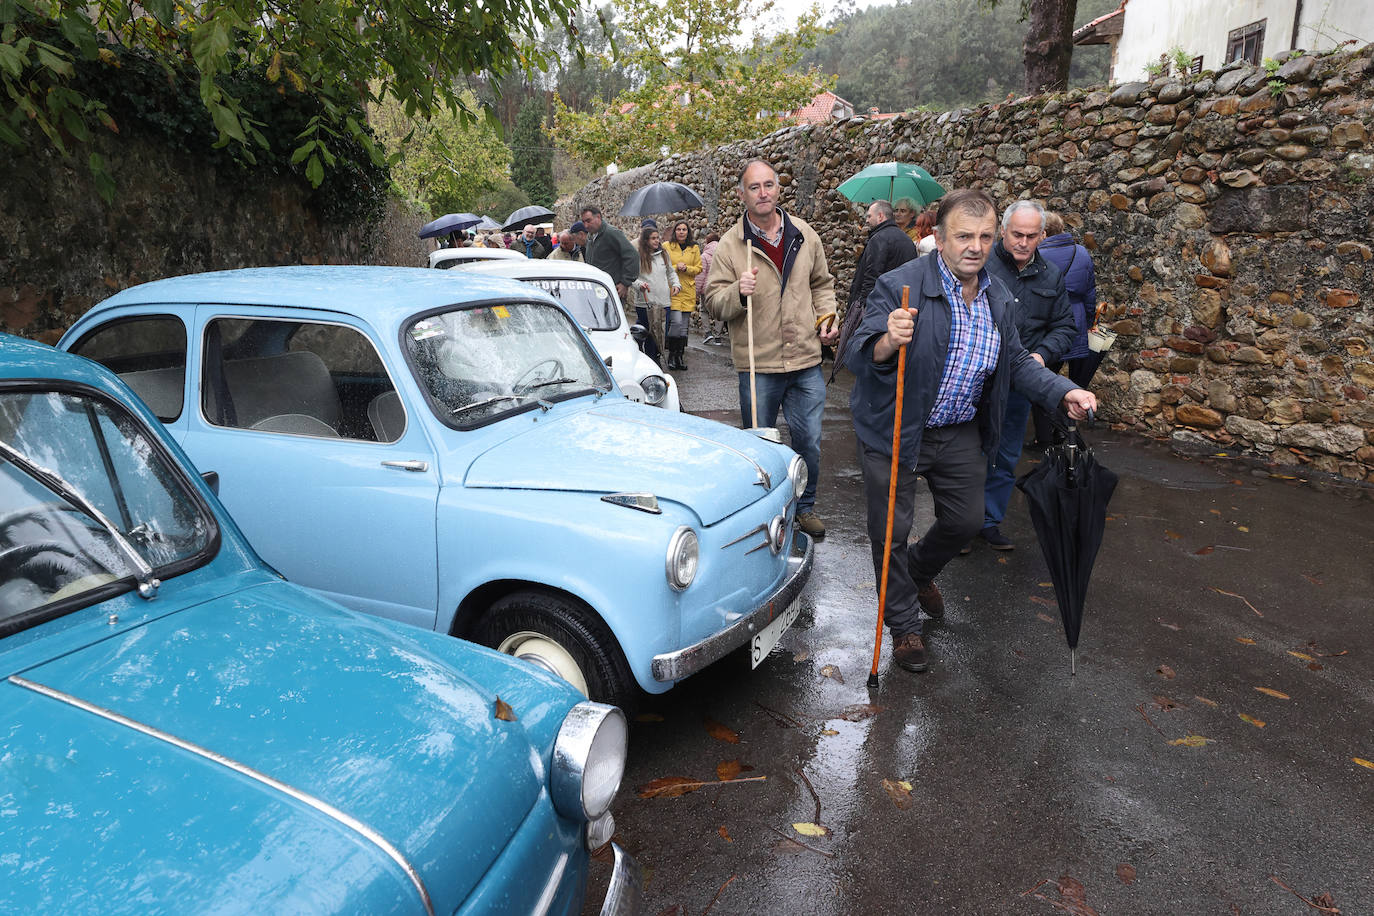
(500,311)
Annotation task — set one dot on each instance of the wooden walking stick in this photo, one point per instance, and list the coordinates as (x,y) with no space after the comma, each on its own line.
(891,492)
(749,318)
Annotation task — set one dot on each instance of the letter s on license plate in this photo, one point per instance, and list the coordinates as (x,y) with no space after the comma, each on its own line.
(767,638)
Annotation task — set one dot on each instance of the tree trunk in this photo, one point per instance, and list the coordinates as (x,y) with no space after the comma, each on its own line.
(1049,45)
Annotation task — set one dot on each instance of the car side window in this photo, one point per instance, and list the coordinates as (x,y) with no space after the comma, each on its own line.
(298,378)
(149,354)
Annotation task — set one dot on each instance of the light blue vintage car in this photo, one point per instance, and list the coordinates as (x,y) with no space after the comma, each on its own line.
(450,451)
(186,733)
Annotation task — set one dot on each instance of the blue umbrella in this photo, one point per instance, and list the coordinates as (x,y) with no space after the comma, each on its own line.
(449,223)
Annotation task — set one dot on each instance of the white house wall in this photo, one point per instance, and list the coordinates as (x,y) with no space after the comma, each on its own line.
(1201,27)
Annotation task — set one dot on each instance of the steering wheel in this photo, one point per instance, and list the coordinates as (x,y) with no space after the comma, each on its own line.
(533,374)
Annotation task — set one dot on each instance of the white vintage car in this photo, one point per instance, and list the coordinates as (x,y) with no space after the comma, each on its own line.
(448,258)
(588,293)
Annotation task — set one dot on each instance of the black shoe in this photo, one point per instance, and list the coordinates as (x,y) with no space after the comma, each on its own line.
(996,539)
(909,652)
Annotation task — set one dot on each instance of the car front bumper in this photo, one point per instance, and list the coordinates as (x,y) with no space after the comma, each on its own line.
(673,666)
(625,896)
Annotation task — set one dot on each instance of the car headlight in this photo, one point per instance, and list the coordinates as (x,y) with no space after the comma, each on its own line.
(588,760)
(655,389)
(797,474)
(682,558)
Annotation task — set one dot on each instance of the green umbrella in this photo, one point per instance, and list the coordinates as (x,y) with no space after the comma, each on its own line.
(892,181)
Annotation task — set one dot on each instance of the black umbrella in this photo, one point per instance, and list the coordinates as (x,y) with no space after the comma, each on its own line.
(1068,494)
(525,216)
(661,197)
(449,223)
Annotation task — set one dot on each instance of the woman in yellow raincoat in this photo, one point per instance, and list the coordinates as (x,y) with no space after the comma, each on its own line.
(685,255)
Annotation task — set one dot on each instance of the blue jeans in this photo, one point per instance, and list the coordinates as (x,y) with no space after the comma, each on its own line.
(1002,467)
(801,395)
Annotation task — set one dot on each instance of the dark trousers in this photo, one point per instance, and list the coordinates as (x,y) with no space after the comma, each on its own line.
(954,466)
(1081,372)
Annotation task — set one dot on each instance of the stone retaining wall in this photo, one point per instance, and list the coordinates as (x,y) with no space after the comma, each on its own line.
(1229,217)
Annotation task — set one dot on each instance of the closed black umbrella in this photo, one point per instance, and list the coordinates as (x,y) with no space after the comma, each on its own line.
(525,216)
(1068,494)
(661,197)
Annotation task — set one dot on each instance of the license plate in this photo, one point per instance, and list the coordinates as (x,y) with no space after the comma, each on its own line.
(767,638)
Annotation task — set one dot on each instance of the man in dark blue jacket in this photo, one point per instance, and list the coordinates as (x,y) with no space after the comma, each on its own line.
(965,357)
(1044,320)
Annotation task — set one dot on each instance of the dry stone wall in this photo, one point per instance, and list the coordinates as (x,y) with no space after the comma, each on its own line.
(1229,216)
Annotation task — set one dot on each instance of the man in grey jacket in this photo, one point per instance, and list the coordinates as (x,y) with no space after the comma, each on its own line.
(965,357)
(1044,319)
(608,249)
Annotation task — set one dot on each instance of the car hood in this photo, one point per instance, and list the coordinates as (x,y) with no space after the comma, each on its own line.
(623,447)
(374,730)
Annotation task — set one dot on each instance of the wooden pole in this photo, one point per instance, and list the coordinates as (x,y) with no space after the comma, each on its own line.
(749,318)
(891,494)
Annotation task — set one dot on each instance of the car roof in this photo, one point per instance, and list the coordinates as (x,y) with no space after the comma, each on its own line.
(21,358)
(380,294)
(440,255)
(529,268)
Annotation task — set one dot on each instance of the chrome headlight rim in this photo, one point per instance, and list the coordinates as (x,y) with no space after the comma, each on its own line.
(683,554)
(655,388)
(588,760)
(797,473)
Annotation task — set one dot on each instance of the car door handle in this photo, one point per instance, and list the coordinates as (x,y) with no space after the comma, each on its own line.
(417,466)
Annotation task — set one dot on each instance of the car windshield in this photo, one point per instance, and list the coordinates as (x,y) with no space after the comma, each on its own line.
(481,362)
(590,303)
(52,547)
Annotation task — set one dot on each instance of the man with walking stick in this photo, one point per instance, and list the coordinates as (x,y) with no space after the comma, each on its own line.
(769,282)
(965,358)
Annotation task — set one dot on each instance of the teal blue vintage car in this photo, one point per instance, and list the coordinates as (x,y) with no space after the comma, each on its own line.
(449,450)
(187,732)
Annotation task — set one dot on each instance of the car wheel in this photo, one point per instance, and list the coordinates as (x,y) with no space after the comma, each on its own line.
(563,639)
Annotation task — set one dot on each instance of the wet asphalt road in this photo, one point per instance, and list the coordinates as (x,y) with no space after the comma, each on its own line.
(1213,581)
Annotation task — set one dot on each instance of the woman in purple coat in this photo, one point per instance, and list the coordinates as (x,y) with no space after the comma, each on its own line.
(1080,280)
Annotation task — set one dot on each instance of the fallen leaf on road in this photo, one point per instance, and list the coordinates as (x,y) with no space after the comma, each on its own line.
(727,770)
(1335,654)
(1313,579)
(725,835)
(1211,703)
(1302,655)
(1165,703)
(1126,873)
(860,711)
(669,787)
(809,829)
(828,732)
(720,732)
(648,717)
(833,673)
(1214,511)
(1203,551)
(1271,692)
(504,712)
(1313,666)
(1041,599)
(1234,595)
(1165,670)
(899,790)
(801,656)
(1172,535)
(1168,626)
(1045,617)
(1242,528)
(1258,723)
(1002,560)
(1045,584)
(1368,764)
(1191,741)
(1322,903)
(1245,640)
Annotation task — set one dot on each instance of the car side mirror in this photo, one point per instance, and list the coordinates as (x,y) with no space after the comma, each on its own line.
(638,333)
(608,362)
(211,479)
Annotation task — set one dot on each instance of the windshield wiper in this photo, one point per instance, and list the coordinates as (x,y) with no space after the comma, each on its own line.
(551,381)
(484,402)
(143,573)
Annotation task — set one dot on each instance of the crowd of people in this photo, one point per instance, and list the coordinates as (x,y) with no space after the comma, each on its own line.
(996,329)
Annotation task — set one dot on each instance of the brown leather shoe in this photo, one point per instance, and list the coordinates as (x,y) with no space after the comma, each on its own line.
(909,652)
(932,602)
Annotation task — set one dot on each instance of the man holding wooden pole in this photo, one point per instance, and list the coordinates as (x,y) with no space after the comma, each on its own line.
(965,358)
(770,283)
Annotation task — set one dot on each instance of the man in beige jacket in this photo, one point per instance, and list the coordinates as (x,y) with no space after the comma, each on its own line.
(793,301)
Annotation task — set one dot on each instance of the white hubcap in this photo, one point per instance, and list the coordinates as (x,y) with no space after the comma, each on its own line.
(538,649)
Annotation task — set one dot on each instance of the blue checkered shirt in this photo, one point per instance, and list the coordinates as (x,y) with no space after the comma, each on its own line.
(973,349)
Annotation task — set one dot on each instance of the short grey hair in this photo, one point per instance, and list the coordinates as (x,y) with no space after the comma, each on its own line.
(1023,205)
(906,202)
(884,208)
(750,164)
